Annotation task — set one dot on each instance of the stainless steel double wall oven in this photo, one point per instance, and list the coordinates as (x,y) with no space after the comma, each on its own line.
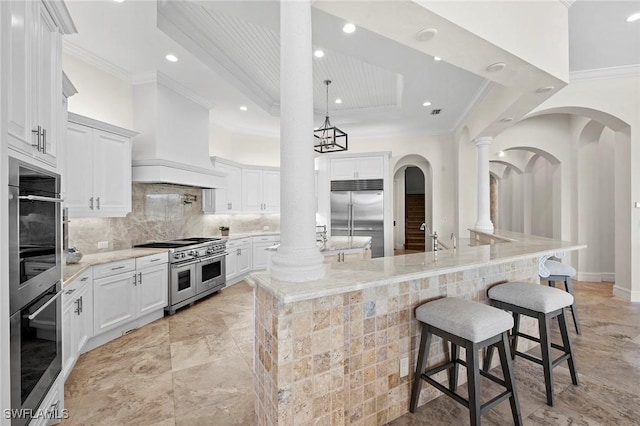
(34,285)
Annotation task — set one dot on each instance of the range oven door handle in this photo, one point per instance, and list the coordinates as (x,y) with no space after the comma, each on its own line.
(43,307)
(39,198)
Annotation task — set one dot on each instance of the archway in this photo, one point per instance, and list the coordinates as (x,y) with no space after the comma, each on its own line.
(407,192)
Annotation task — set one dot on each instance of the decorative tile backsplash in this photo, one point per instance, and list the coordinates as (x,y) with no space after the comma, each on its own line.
(162,212)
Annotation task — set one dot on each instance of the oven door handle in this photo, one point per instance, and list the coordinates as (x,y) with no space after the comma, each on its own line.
(43,307)
(39,198)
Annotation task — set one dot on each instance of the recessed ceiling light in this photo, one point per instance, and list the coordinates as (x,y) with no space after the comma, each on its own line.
(437,58)
(171,58)
(545,89)
(506,120)
(338,101)
(426,34)
(634,17)
(318,53)
(427,103)
(498,66)
(501,154)
(243,108)
(349,28)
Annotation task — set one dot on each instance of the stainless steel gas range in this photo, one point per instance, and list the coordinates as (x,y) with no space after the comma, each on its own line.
(196,269)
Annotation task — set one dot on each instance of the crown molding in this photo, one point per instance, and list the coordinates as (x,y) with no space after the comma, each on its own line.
(61,16)
(480,93)
(606,73)
(95,60)
(567,3)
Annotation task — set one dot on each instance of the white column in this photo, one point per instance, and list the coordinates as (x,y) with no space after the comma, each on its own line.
(298,258)
(483,222)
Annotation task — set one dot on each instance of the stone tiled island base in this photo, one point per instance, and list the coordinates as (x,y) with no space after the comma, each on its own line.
(334,360)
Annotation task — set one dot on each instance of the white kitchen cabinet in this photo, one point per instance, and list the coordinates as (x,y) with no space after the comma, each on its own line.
(260,255)
(129,289)
(33,75)
(229,198)
(153,284)
(77,319)
(51,411)
(238,261)
(260,190)
(98,169)
(364,167)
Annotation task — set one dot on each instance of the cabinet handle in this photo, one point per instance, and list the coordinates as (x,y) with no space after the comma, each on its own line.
(70,291)
(155,260)
(140,277)
(77,310)
(239,252)
(83,279)
(91,203)
(229,206)
(44,141)
(81,304)
(135,279)
(38,133)
(118,267)
(98,203)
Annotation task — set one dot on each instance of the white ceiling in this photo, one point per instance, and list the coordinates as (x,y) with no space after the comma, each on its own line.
(229,56)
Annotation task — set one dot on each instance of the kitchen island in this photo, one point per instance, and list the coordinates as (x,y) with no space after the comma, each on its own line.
(329,350)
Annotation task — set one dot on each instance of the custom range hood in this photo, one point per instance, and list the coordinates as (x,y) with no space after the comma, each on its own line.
(173,145)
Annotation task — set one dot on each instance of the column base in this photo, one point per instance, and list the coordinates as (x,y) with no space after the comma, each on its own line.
(297,265)
(484,227)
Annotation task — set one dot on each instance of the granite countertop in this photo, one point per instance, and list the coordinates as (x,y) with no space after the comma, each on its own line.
(73,270)
(350,276)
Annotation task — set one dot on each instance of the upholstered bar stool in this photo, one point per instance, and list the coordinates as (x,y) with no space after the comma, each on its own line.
(558,271)
(473,326)
(544,304)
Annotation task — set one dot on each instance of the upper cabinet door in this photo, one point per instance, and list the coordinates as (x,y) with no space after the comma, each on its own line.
(251,190)
(19,28)
(271,190)
(370,167)
(48,95)
(365,167)
(34,77)
(112,173)
(79,171)
(229,198)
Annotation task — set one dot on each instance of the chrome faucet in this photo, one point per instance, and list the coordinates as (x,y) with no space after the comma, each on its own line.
(434,236)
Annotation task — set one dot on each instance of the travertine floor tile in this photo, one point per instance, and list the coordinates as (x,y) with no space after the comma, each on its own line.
(195,368)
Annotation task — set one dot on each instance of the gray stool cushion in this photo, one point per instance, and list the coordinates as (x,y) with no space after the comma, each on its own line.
(558,268)
(470,320)
(539,298)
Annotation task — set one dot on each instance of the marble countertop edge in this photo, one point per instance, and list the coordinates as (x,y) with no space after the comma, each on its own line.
(359,275)
(73,270)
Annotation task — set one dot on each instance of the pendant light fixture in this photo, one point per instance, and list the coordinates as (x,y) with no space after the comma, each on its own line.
(328,137)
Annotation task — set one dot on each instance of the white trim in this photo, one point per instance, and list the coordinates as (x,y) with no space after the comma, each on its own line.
(609,276)
(567,3)
(100,125)
(592,277)
(623,293)
(605,73)
(175,165)
(68,89)
(93,59)
(58,10)
(144,78)
(482,91)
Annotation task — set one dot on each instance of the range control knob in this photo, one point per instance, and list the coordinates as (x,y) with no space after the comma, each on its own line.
(176,256)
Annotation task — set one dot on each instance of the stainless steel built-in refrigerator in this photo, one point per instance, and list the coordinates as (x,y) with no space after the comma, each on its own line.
(357,210)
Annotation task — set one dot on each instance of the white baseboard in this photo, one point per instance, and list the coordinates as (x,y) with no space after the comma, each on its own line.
(609,276)
(596,277)
(626,294)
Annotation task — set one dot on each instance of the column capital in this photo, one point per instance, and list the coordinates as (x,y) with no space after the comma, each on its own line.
(484,140)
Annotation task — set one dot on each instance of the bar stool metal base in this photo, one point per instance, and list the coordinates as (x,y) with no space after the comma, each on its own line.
(476,409)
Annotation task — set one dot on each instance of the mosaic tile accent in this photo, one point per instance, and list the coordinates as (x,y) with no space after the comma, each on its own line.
(335,359)
(158,212)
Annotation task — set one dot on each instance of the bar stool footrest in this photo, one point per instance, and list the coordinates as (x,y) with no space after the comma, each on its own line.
(460,399)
